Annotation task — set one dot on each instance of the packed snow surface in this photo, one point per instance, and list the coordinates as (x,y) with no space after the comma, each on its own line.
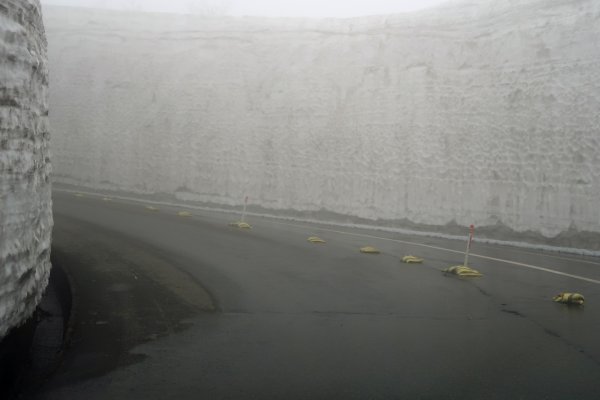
(482,113)
(25,202)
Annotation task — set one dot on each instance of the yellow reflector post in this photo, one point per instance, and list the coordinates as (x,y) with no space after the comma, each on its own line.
(241,225)
(315,239)
(412,260)
(184,214)
(151,208)
(369,250)
(461,270)
(569,298)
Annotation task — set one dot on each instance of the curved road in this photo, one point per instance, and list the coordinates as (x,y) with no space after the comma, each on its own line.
(176,307)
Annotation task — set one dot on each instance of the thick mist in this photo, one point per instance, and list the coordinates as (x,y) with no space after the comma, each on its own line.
(481,113)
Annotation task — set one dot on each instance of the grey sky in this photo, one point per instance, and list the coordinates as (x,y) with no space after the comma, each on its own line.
(272,8)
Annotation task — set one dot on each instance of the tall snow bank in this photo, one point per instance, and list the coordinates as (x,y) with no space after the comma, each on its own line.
(25,202)
(478,112)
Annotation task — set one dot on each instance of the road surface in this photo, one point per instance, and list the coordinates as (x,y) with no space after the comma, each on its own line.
(181,307)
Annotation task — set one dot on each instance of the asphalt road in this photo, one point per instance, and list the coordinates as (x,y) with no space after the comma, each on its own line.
(175,307)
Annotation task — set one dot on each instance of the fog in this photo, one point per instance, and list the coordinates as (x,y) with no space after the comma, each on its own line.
(478,113)
(270,8)
(134,132)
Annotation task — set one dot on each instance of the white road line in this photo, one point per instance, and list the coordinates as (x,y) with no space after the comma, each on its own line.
(551,271)
(518,250)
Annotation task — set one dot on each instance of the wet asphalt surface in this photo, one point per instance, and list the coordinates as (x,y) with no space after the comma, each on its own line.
(172,307)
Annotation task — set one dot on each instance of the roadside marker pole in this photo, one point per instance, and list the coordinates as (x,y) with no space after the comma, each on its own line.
(464,270)
(244,211)
(471,232)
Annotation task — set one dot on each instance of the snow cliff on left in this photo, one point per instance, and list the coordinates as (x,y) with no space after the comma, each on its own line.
(25,197)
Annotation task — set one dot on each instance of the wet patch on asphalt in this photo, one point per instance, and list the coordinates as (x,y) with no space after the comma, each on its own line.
(120,299)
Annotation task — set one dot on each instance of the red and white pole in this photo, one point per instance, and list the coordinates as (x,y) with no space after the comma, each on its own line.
(244,211)
(471,232)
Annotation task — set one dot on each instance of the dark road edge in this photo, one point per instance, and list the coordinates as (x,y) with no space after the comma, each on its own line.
(30,353)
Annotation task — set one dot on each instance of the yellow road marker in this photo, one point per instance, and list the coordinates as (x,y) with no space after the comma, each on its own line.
(369,250)
(151,208)
(241,225)
(184,214)
(445,249)
(464,270)
(412,260)
(461,270)
(78,195)
(569,298)
(315,239)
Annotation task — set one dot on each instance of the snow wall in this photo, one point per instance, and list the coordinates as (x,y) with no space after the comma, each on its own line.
(480,112)
(25,202)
